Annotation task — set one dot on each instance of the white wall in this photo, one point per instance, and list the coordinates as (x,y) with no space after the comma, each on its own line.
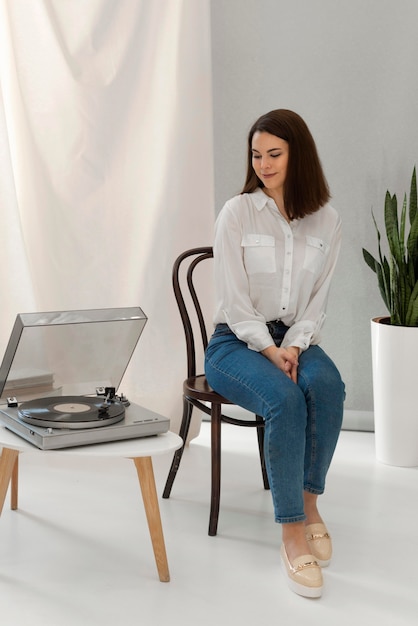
(349,68)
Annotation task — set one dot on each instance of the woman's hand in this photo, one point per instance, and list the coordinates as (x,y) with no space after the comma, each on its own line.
(286,359)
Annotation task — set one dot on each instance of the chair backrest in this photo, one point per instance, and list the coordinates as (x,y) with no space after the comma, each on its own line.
(188,302)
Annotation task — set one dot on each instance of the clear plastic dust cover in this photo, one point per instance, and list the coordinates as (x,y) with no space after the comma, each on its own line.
(69,352)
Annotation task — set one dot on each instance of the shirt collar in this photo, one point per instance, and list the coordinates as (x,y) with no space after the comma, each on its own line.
(260,199)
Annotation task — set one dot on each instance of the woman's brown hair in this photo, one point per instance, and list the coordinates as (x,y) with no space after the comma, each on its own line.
(305,187)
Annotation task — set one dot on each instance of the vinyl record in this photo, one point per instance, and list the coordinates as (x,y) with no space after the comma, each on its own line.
(71,412)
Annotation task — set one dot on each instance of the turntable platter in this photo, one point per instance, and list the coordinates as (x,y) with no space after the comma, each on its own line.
(71,412)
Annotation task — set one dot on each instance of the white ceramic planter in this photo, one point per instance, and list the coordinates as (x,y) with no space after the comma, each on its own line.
(395,393)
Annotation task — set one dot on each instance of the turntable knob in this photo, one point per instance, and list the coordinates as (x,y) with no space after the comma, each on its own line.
(49,431)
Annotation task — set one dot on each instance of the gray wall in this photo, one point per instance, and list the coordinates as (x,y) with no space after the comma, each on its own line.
(350,69)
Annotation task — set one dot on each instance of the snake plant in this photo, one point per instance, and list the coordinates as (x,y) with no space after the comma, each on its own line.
(397,275)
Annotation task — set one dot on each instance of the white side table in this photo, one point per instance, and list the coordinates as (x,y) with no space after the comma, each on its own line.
(139,450)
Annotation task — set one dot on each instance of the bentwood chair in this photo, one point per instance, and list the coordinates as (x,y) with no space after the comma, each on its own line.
(196,390)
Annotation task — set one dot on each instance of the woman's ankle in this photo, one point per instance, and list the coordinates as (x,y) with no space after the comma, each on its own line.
(294,539)
(311,510)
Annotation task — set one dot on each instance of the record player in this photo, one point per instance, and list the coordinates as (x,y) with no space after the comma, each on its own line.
(60,376)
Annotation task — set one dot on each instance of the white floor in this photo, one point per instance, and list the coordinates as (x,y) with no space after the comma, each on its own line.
(78,551)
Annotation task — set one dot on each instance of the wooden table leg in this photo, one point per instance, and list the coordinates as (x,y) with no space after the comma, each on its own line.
(14,485)
(149,495)
(8,463)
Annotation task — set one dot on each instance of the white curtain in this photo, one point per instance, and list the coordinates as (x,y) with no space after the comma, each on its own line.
(106,166)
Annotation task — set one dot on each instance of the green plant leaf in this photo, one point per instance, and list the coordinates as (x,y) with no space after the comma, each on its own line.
(370,260)
(382,272)
(391,225)
(413,197)
(412,312)
(402,229)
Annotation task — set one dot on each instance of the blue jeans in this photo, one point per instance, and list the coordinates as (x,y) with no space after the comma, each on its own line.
(302,421)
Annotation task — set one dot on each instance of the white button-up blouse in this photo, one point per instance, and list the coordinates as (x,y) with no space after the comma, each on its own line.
(267,269)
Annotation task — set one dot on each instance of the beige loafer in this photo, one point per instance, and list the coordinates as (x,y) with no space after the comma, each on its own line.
(320,543)
(304,575)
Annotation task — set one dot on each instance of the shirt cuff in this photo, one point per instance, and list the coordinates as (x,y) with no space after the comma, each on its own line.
(304,333)
(255,334)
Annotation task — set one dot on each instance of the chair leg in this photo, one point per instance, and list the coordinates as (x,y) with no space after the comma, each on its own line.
(216,468)
(184,431)
(260,438)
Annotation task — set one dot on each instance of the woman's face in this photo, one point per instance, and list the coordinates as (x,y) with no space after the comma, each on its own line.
(269,160)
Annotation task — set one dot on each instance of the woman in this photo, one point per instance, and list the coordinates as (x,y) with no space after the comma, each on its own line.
(275,250)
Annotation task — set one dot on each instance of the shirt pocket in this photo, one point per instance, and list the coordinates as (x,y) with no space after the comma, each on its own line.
(316,252)
(259,253)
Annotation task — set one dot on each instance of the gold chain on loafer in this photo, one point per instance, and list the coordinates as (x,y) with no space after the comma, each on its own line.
(320,543)
(304,575)
(318,536)
(302,566)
